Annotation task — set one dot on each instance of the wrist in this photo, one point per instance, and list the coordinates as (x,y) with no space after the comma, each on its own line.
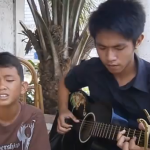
(62,107)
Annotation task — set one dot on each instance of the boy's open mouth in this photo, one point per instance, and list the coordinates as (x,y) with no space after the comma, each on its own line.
(3,96)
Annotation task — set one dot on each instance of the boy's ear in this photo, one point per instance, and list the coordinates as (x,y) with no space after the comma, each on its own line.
(139,40)
(24,87)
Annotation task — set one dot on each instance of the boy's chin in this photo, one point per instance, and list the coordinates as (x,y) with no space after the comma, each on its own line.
(6,103)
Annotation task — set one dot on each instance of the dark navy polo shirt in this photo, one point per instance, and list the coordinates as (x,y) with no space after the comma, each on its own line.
(133,97)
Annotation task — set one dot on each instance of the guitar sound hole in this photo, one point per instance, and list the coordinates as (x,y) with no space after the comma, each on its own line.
(86,127)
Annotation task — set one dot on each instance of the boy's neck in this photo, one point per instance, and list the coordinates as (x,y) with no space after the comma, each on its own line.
(9,114)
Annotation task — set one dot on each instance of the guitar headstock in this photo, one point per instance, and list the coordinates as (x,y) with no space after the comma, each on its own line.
(146,128)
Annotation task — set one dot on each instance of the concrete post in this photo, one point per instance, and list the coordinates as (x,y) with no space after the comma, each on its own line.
(11,11)
(6,26)
(19,15)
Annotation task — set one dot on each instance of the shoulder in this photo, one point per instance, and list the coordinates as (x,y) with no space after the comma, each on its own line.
(93,61)
(30,112)
(92,64)
(147,64)
(145,67)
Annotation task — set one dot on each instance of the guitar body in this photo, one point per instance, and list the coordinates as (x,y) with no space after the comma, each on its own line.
(80,104)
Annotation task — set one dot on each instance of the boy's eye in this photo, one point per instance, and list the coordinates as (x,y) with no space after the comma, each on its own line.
(119,48)
(9,80)
(101,48)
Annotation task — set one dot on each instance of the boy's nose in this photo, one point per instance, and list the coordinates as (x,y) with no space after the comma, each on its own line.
(111,56)
(2,86)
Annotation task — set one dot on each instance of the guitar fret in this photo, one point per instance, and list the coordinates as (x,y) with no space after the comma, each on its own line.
(107,131)
(92,131)
(110,131)
(114,132)
(139,137)
(104,130)
(128,132)
(134,132)
(119,129)
(101,130)
(141,143)
(96,127)
(123,128)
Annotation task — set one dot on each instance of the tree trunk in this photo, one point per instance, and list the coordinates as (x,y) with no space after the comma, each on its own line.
(50,84)
(49,87)
(52,44)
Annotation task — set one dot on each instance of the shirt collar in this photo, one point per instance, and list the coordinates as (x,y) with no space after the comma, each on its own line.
(140,81)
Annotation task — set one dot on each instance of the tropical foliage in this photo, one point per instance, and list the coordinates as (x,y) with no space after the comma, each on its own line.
(61,40)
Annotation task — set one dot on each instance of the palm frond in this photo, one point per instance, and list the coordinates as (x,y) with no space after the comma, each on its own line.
(65,18)
(39,29)
(80,47)
(55,12)
(52,46)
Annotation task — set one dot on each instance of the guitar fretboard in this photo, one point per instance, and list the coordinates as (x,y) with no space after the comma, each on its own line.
(109,131)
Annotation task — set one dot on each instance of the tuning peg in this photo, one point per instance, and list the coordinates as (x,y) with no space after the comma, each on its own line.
(147,114)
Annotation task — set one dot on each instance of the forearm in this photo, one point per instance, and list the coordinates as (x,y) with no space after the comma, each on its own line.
(63,95)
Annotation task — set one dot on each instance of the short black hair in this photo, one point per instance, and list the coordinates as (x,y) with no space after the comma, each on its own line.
(126,17)
(9,60)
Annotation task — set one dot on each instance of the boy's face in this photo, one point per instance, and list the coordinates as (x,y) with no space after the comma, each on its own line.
(114,50)
(11,86)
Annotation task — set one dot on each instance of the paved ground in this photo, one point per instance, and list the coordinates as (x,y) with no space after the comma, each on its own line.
(49,121)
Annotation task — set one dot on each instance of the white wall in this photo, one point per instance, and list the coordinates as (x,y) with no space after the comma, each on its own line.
(29,21)
(11,11)
(144,49)
(19,15)
(6,26)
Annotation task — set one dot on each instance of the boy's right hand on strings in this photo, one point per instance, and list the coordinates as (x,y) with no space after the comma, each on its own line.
(62,126)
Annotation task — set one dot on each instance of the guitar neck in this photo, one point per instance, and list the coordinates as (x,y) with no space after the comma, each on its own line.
(110,132)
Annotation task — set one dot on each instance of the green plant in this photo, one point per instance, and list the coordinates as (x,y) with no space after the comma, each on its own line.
(30,97)
(61,40)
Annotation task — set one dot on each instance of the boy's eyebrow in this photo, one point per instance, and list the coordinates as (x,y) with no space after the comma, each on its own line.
(121,44)
(117,45)
(8,76)
(99,44)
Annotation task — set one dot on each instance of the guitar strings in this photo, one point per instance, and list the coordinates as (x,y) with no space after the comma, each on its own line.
(110,129)
(89,123)
(99,124)
(141,141)
(117,130)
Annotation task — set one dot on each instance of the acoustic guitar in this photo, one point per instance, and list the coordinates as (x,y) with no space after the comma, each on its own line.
(98,126)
